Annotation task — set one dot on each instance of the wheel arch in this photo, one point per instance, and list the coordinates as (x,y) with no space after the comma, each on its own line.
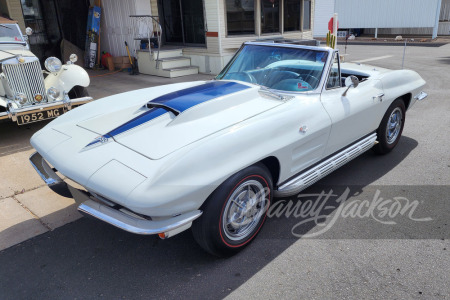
(406,99)
(273,165)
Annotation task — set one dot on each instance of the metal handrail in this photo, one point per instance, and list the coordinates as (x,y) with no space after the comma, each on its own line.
(155,19)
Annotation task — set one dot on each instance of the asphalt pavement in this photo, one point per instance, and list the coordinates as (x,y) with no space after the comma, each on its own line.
(52,253)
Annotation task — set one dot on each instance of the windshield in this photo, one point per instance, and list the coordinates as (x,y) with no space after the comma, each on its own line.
(10,33)
(279,68)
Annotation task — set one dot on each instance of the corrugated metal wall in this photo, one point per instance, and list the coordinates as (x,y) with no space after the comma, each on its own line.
(324,10)
(117,27)
(443,29)
(445,11)
(386,13)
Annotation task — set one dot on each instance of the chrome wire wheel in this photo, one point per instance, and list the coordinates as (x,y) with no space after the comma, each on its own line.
(394,125)
(244,210)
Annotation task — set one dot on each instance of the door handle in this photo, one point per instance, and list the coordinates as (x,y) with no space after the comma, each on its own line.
(379,97)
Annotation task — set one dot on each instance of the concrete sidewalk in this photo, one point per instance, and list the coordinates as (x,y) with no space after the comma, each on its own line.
(27,206)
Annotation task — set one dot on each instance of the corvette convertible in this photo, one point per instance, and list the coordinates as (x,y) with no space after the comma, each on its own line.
(211,155)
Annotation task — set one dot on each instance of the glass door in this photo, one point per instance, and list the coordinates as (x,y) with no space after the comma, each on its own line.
(183,22)
(193,22)
(171,21)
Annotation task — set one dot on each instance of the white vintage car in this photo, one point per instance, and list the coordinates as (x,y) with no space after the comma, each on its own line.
(25,96)
(211,154)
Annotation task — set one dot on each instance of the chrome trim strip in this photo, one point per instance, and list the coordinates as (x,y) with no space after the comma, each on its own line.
(311,176)
(136,225)
(44,170)
(420,96)
(38,108)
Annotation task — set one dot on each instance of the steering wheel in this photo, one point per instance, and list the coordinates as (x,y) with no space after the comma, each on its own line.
(312,80)
(242,76)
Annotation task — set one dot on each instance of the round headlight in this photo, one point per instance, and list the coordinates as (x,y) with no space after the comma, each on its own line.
(73,58)
(52,64)
(21,98)
(53,93)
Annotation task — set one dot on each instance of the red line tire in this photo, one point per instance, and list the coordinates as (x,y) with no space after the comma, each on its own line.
(235,212)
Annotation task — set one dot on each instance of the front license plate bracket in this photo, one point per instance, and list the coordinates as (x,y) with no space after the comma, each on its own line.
(39,116)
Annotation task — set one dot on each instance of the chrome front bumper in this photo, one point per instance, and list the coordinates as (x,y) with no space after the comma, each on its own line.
(420,96)
(165,228)
(121,218)
(12,113)
(47,173)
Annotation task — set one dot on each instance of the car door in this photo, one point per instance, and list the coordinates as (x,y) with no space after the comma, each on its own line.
(353,116)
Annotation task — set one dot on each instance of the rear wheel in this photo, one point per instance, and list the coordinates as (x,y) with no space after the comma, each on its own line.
(235,212)
(391,127)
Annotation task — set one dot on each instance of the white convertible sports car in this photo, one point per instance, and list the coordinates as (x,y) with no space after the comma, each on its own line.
(211,155)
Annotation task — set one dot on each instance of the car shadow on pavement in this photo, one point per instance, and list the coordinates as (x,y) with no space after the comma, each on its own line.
(444,60)
(15,138)
(90,259)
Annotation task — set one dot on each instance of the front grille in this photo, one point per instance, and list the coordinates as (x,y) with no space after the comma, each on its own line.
(25,78)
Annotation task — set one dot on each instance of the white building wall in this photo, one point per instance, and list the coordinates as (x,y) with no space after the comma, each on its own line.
(386,13)
(324,10)
(443,28)
(220,47)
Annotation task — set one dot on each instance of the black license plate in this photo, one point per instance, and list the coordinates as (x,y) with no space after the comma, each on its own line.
(39,116)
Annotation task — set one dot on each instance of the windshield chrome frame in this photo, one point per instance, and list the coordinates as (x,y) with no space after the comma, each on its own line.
(323,77)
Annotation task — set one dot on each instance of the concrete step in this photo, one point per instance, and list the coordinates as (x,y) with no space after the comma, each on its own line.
(171,66)
(166,53)
(174,62)
(181,71)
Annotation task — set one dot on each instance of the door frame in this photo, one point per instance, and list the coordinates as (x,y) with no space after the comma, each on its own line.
(183,43)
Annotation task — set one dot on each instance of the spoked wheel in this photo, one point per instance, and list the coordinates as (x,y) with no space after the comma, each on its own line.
(235,212)
(391,127)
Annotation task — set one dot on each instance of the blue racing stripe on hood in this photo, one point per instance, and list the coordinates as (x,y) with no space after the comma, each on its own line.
(180,100)
(187,98)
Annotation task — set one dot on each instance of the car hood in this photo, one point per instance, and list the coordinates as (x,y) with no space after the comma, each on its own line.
(6,54)
(176,119)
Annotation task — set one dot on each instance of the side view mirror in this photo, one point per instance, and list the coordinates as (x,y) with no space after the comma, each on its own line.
(351,81)
(29,31)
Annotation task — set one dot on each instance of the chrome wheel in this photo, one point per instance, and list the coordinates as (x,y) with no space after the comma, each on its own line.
(394,125)
(244,209)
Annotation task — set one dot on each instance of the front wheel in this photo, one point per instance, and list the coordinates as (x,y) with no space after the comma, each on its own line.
(78,92)
(391,127)
(235,212)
